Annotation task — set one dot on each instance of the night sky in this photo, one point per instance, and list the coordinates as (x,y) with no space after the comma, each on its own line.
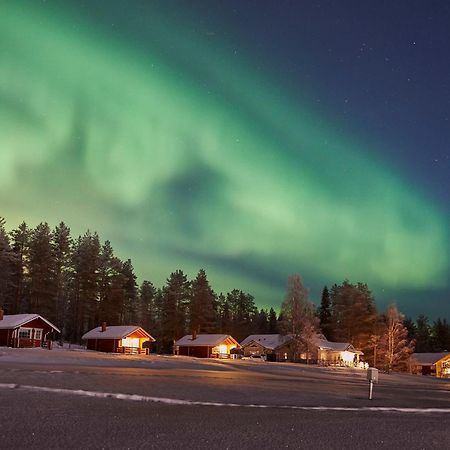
(253,139)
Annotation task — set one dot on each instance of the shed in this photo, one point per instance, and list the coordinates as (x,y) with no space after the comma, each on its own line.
(436,364)
(206,345)
(24,330)
(118,339)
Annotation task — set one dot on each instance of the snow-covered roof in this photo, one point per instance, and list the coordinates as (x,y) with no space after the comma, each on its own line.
(115,332)
(204,340)
(11,321)
(269,341)
(323,344)
(428,359)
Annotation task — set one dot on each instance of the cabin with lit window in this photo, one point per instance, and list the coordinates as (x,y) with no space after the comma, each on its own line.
(336,353)
(129,339)
(25,330)
(272,347)
(434,364)
(279,347)
(206,345)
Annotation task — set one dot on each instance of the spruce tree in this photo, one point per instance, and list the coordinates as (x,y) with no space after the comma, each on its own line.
(8,264)
(353,314)
(20,239)
(325,314)
(174,302)
(62,254)
(147,309)
(130,307)
(273,322)
(41,268)
(202,308)
(84,286)
(262,322)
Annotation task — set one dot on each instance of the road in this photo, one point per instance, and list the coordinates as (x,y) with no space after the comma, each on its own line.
(85,400)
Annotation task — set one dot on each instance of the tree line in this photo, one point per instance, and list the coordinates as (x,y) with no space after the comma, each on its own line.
(77,283)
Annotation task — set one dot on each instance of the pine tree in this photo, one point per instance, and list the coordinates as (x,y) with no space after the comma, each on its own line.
(41,269)
(202,308)
(130,307)
(423,335)
(224,315)
(243,313)
(273,322)
(262,322)
(440,335)
(62,255)
(84,286)
(175,298)
(147,309)
(325,314)
(353,314)
(8,264)
(20,239)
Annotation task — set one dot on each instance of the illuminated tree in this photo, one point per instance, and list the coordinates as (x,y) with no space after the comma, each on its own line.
(394,344)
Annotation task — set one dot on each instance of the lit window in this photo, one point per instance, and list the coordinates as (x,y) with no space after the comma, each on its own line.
(38,334)
(222,349)
(130,342)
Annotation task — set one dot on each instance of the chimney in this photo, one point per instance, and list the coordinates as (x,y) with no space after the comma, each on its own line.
(194,335)
(1,314)
(103,327)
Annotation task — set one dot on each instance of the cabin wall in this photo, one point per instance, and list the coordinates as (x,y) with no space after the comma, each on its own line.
(102,345)
(195,351)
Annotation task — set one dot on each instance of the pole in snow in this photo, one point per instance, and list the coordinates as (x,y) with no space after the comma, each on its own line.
(372,376)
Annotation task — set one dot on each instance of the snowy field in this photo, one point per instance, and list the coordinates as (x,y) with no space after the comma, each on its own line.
(74,398)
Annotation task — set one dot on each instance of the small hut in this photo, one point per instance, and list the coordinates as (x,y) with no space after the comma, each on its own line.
(118,339)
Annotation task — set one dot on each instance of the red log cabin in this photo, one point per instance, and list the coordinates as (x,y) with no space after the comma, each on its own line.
(118,339)
(24,330)
(206,345)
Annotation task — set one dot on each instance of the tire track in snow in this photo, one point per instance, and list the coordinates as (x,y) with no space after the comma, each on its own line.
(179,402)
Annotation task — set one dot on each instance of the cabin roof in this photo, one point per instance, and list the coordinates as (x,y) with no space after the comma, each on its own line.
(269,341)
(11,321)
(323,344)
(428,359)
(115,332)
(205,340)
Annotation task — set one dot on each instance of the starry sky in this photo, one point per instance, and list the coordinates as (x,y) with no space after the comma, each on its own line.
(254,139)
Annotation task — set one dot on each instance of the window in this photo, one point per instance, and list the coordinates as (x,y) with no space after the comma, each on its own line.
(130,342)
(38,334)
(25,333)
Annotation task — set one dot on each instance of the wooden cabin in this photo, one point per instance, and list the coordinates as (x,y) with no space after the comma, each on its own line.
(279,347)
(337,353)
(274,347)
(130,339)
(434,364)
(206,345)
(24,330)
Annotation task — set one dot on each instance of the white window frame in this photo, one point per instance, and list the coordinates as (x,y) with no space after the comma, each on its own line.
(25,329)
(38,332)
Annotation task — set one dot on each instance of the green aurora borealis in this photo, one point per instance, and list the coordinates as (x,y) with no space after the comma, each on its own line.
(187,156)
